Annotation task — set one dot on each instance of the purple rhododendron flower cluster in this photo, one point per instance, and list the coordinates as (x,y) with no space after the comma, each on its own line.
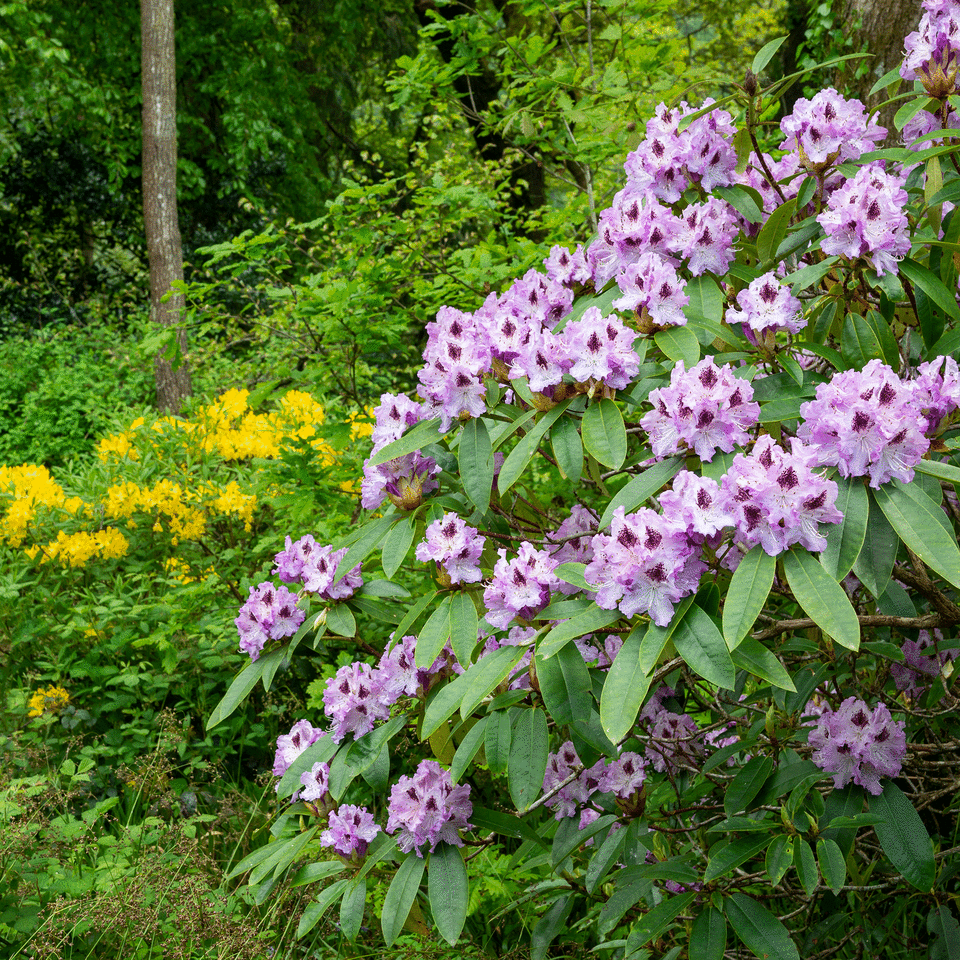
(625,776)
(937,391)
(766,305)
(292,744)
(570,799)
(674,741)
(913,676)
(867,422)
(829,129)
(652,283)
(428,809)
(865,218)
(646,564)
(698,503)
(777,499)
(269,613)
(455,547)
(316,787)
(602,350)
(349,831)
(566,268)
(314,567)
(520,587)
(933,48)
(856,743)
(705,409)
(355,700)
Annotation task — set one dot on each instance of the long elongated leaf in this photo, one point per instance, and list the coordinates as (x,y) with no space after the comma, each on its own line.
(475,456)
(464,625)
(241,686)
(642,486)
(317,908)
(565,685)
(845,539)
(747,594)
(703,648)
(759,929)
(567,448)
(747,784)
(732,854)
(523,452)
(396,545)
(449,890)
(708,939)
(593,618)
(351,908)
(755,658)
(427,431)
(822,598)
(656,921)
(549,925)
(400,896)
(874,564)
(434,635)
(903,836)
(528,758)
(931,285)
(624,688)
(363,543)
(604,433)
(916,518)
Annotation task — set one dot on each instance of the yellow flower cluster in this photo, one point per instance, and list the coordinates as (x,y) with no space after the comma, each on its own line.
(29,487)
(181,571)
(75,549)
(51,700)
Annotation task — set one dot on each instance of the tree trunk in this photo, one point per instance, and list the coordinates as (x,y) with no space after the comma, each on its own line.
(164,249)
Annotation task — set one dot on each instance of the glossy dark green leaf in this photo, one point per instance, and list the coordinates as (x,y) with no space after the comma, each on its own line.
(505,825)
(655,639)
(603,860)
(806,865)
(845,539)
(592,619)
(942,471)
(529,747)
(469,747)
(766,54)
(832,865)
(931,285)
(241,686)
(679,343)
(642,486)
(417,437)
(703,648)
(361,544)
(759,929)
(821,597)
(858,343)
(727,855)
(526,447)
(496,742)
(400,896)
(396,545)
(807,276)
(351,908)
(549,925)
(464,625)
(567,448)
(747,594)
(565,686)
(743,200)
(624,688)
(747,784)
(903,836)
(449,890)
(755,658)
(889,349)
(475,456)
(341,621)
(433,635)
(319,752)
(604,433)
(774,230)
(317,908)
(779,858)
(658,920)
(874,564)
(708,938)
(917,520)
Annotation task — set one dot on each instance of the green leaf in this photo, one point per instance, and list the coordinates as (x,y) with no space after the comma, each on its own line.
(806,865)
(317,908)
(708,938)
(486,675)
(572,573)
(434,635)
(400,896)
(603,860)
(779,858)
(351,908)
(889,350)
(858,343)
(916,518)
(464,626)
(942,471)
(565,686)
(679,343)
(314,872)
(341,621)
(747,594)
(624,688)
(744,200)
(766,54)
(526,447)
(475,457)
(549,925)
(644,485)
(449,891)
(746,785)
(396,545)
(242,684)
(759,929)
(567,448)
(845,539)
(832,865)
(821,597)
(807,276)
(875,562)
(506,825)
(655,639)
(496,743)
(592,619)
(419,436)
(656,921)
(731,854)
(931,285)
(703,649)
(361,544)
(755,658)
(903,837)
(319,752)
(774,230)
(528,758)
(604,433)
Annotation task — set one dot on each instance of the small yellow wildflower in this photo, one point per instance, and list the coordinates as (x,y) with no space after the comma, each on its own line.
(51,700)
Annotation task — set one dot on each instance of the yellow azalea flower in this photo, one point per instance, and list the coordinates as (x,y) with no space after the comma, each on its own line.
(51,700)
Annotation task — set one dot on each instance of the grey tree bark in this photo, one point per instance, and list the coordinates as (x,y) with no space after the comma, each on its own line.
(164,249)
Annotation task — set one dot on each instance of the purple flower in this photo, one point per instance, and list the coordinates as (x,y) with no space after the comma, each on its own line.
(696,502)
(354,700)
(569,799)
(937,391)
(624,778)
(674,742)
(865,218)
(315,568)
(428,809)
(398,675)
(566,268)
(828,129)
(350,830)
(291,745)
(316,785)
(867,423)
(931,50)
(269,613)
(777,500)
(855,743)
(705,409)
(601,350)
(914,674)
(645,565)
(767,305)
(706,236)
(454,546)
(520,587)
(651,283)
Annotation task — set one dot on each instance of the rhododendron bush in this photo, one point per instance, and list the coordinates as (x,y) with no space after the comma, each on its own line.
(686,499)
